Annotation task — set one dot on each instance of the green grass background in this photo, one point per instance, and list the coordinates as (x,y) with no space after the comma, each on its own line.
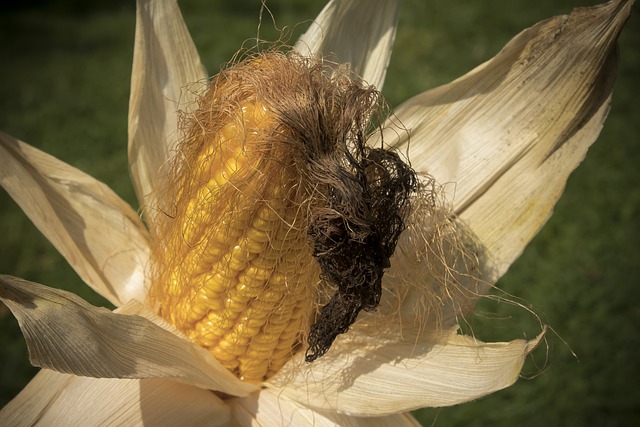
(64,84)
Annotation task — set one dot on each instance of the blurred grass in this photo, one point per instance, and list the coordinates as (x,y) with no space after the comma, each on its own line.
(64,84)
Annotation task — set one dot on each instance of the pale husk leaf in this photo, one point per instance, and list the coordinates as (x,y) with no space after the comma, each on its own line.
(100,236)
(29,405)
(359,33)
(367,376)
(67,334)
(271,408)
(55,399)
(507,135)
(166,65)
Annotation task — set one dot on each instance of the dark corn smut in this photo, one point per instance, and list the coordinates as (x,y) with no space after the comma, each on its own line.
(353,247)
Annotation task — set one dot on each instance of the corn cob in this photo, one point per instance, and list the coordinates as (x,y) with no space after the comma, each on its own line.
(276,201)
(234,271)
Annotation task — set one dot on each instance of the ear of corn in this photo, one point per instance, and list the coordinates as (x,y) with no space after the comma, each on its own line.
(269,210)
(233,270)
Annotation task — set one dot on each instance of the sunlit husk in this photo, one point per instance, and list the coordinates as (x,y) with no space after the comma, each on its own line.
(506,136)
(368,25)
(165,78)
(55,399)
(271,408)
(99,235)
(427,371)
(66,334)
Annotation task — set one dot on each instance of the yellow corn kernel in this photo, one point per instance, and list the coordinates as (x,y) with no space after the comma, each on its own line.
(267,213)
(226,358)
(234,271)
(253,246)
